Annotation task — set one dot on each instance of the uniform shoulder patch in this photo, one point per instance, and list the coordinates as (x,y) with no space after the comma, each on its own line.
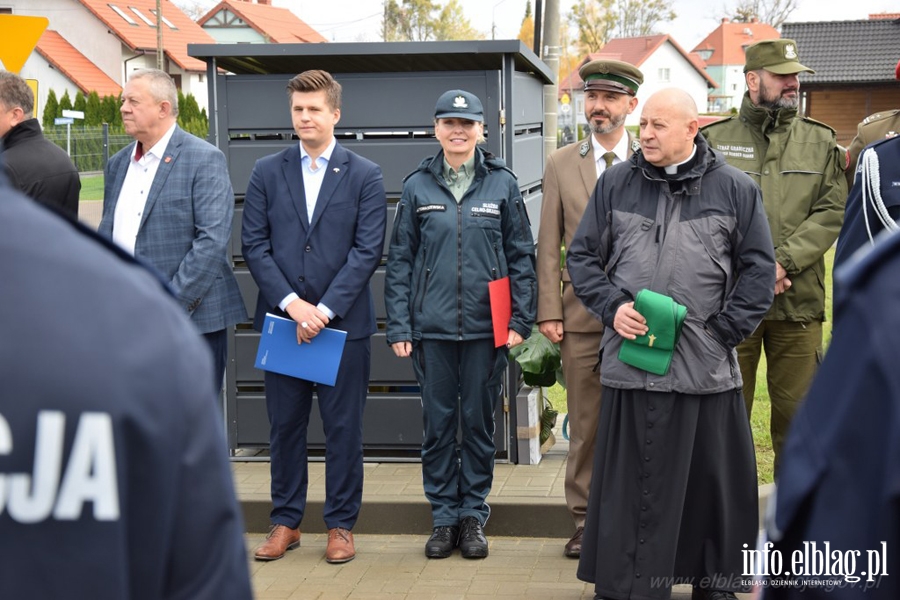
(880,116)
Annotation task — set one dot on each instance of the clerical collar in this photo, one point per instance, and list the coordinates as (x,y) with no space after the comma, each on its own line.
(674,169)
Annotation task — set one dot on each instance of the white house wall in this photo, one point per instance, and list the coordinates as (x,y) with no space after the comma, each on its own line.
(37,67)
(734,85)
(681,74)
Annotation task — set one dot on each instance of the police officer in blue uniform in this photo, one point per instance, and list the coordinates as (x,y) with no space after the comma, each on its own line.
(838,487)
(873,204)
(114,477)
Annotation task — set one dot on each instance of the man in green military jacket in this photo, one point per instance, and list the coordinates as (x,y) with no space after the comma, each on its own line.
(799,166)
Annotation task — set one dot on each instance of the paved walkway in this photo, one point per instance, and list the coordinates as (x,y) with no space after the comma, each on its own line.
(393,527)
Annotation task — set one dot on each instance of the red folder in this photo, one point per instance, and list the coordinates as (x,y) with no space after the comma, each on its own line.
(501,309)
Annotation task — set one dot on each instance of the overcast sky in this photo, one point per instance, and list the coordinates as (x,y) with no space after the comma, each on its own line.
(360,20)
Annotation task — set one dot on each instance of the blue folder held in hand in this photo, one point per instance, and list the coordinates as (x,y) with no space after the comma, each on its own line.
(316,361)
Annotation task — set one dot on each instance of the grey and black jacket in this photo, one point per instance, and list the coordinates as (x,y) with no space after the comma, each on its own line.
(699,236)
(443,254)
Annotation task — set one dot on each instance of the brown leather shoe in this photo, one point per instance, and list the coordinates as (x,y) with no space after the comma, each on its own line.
(573,546)
(281,538)
(340,546)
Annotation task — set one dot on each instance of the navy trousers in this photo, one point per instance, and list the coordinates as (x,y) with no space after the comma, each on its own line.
(218,346)
(460,384)
(341,406)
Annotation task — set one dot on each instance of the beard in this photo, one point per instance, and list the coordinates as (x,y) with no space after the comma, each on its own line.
(614,122)
(774,102)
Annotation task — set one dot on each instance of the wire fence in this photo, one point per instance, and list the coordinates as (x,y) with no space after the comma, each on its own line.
(89,147)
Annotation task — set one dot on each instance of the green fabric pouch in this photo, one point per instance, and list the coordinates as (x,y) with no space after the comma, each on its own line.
(652,352)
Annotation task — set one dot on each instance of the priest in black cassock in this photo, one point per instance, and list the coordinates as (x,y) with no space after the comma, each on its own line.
(673,496)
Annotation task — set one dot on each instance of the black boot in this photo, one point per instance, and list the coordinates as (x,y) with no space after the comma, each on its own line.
(472,542)
(442,541)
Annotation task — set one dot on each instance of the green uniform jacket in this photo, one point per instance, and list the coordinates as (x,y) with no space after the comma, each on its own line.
(799,166)
(881,125)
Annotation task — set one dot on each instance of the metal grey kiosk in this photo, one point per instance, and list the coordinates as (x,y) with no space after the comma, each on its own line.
(387,116)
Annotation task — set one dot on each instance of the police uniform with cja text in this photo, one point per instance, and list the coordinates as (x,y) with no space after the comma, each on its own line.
(114,476)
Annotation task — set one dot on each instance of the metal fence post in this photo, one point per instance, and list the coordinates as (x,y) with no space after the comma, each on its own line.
(105,145)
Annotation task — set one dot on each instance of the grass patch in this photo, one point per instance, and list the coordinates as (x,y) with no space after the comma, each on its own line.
(91,188)
(759,420)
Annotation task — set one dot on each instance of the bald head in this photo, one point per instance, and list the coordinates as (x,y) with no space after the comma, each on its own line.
(668,126)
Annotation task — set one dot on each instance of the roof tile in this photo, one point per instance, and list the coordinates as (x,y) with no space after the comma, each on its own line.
(728,40)
(864,51)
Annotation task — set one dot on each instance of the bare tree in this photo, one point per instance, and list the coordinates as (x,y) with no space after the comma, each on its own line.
(640,17)
(193,8)
(773,12)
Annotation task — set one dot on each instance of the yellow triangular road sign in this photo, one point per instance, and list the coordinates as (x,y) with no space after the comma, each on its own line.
(20,35)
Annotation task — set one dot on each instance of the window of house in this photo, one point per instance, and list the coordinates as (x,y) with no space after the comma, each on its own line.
(122,14)
(165,20)
(663,74)
(5,11)
(143,17)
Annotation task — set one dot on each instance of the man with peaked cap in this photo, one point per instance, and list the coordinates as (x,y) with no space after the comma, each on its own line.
(800,168)
(881,125)
(610,88)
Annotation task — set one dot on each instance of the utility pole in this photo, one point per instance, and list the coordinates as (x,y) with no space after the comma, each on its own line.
(159,40)
(550,55)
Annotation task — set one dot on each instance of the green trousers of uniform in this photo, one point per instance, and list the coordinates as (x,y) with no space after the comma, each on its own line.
(793,352)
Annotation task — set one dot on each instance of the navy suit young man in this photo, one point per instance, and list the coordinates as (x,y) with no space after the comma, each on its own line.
(313,234)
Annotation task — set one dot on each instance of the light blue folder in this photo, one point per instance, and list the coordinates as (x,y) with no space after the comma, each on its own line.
(317,361)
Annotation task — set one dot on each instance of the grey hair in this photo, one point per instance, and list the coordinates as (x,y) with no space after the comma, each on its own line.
(162,88)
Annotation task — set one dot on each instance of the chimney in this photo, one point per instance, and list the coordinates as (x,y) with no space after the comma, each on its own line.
(754,20)
(724,20)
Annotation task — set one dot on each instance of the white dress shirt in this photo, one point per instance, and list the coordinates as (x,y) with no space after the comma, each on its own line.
(134,192)
(312,184)
(621,152)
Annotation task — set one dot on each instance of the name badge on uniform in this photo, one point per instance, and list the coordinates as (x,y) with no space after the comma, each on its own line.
(430,208)
(487,209)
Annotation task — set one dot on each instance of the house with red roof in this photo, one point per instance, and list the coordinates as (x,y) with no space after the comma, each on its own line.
(68,67)
(116,37)
(243,21)
(723,52)
(660,58)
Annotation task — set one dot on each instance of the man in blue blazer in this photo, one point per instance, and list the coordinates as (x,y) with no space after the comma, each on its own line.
(313,234)
(167,199)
